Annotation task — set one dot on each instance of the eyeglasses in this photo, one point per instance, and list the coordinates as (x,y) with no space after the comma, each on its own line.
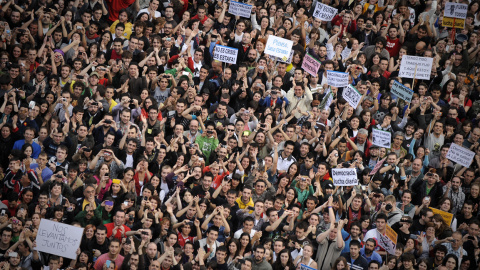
(232,130)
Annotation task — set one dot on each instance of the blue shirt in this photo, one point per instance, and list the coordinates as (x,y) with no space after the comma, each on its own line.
(46,173)
(374,257)
(36,148)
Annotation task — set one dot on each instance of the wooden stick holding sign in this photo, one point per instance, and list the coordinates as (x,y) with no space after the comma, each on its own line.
(414,74)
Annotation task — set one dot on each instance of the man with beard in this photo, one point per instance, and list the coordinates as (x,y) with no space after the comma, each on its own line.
(368,251)
(251,60)
(259,261)
(440,251)
(378,47)
(355,231)
(454,191)
(361,141)
(86,217)
(410,129)
(92,115)
(374,159)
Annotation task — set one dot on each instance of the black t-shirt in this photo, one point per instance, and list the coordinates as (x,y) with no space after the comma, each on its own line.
(198,191)
(275,233)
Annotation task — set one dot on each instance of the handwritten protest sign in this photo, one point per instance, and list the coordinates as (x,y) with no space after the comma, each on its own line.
(377,166)
(58,238)
(447,217)
(455,10)
(381,138)
(240,9)
(225,54)
(389,240)
(337,79)
(448,22)
(324,12)
(460,155)
(311,65)
(304,267)
(402,91)
(344,177)
(278,47)
(352,96)
(416,67)
(282,60)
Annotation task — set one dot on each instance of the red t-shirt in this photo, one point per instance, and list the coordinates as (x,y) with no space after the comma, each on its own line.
(182,240)
(118,235)
(393,46)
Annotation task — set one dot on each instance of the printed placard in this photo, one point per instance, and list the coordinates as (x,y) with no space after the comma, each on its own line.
(423,67)
(455,10)
(324,12)
(381,138)
(225,54)
(240,9)
(460,155)
(58,238)
(389,240)
(448,217)
(344,177)
(352,96)
(278,47)
(311,65)
(401,91)
(377,166)
(337,79)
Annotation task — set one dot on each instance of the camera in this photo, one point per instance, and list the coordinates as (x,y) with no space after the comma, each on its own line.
(87,150)
(80,77)
(95,103)
(388,207)
(209,132)
(107,121)
(273,92)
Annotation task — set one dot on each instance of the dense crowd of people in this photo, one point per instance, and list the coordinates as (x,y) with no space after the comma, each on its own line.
(116,118)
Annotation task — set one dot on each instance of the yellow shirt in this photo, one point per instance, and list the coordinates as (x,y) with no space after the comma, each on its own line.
(112,104)
(241,205)
(128,29)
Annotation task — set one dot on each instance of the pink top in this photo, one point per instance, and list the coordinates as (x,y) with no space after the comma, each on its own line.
(103,190)
(104,258)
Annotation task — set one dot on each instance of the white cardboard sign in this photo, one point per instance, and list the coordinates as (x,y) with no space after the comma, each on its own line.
(455,10)
(58,238)
(278,47)
(344,177)
(460,155)
(225,54)
(324,12)
(240,9)
(337,79)
(416,67)
(381,138)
